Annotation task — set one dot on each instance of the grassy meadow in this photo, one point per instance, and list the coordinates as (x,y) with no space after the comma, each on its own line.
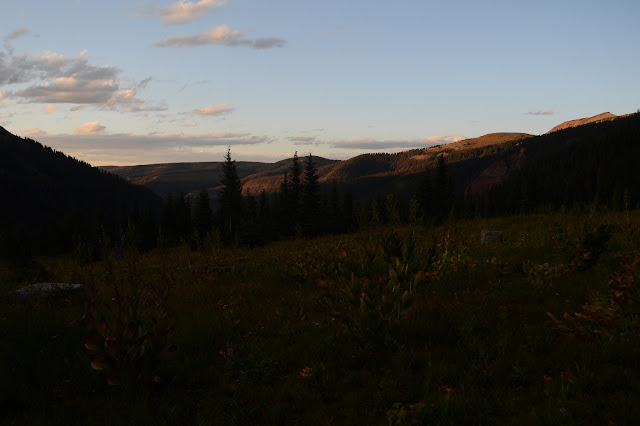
(395,326)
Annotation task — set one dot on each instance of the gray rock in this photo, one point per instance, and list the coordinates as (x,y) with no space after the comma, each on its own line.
(487,236)
(51,292)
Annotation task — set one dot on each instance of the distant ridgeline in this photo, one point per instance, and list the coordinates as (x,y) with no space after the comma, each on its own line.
(49,198)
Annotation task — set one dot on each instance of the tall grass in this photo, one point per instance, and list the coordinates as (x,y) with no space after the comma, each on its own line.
(404,325)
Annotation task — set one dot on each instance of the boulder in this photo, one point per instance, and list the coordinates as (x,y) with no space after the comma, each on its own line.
(487,236)
(50,292)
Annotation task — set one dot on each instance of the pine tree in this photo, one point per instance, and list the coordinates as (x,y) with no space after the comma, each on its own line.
(425,194)
(295,190)
(230,199)
(310,200)
(203,215)
(443,188)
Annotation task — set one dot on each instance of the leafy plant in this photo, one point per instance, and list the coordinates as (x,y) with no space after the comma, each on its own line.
(373,293)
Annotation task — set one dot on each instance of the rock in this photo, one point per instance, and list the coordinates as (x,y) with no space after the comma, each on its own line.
(51,292)
(487,236)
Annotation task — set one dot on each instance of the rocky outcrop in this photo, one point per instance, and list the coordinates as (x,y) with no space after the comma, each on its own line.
(51,293)
(488,237)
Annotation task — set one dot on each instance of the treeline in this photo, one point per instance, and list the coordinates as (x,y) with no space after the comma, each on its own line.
(300,209)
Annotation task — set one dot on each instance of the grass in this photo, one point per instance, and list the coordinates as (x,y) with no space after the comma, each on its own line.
(285,334)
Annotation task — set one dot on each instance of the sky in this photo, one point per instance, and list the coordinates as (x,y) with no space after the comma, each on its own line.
(129,82)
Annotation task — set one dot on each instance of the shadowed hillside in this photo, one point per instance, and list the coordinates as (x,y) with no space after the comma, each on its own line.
(50,196)
(189,178)
(367,174)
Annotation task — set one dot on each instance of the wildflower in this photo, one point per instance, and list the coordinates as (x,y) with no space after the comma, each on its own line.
(306,372)
(446,389)
(228,353)
(547,378)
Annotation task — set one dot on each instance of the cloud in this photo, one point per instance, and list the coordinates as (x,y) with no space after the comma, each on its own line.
(20,32)
(50,108)
(192,124)
(183,11)
(304,140)
(548,112)
(70,80)
(143,84)
(213,111)
(374,144)
(91,127)
(223,36)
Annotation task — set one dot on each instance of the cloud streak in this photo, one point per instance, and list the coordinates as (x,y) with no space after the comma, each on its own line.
(183,11)
(91,135)
(213,111)
(304,140)
(91,127)
(548,112)
(222,36)
(374,144)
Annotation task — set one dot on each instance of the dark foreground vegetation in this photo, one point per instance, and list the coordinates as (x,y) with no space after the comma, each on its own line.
(388,325)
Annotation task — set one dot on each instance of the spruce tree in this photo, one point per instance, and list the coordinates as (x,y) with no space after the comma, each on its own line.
(425,194)
(310,200)
(295,190)
(203,215)
(230,198)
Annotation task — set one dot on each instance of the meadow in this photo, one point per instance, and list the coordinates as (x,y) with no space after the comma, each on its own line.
(405,325)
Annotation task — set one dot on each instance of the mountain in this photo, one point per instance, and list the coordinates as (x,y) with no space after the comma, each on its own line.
(47,196)
(189,178)
(364,175)
(579,122)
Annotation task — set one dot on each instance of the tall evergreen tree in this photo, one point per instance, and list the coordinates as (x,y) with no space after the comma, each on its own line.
(203,215)
(443,189)
(310,199)
(230,198)
(425,194)
(295,186)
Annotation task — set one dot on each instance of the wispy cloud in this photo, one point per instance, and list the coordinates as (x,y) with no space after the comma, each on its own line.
(143,84)
(374,144)
(20,32)
(183,11)
(548,112)
(222,36)
(91,127)
(213,111)
(92,135)
(304,140)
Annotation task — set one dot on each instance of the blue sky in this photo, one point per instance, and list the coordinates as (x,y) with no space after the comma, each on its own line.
(138,82)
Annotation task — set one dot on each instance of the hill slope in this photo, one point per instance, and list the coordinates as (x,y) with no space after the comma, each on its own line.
(47,195)
(364,175)
(579,122)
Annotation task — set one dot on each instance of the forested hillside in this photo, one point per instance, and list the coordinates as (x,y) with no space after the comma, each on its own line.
(48,197)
